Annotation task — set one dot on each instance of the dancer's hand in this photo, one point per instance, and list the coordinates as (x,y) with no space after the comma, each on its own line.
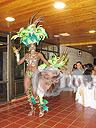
(16,51)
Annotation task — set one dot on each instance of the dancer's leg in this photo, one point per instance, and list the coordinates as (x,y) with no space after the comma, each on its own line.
(28,92)
(38,101)
(26,83)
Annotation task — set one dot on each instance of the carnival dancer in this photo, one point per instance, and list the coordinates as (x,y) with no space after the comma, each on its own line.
(29,36)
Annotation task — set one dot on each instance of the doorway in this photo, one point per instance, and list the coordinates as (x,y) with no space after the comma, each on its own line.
(3,67)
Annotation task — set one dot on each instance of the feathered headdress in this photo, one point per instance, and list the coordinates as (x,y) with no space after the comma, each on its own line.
(33,33)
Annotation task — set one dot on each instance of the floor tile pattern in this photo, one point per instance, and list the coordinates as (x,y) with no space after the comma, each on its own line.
(64,112)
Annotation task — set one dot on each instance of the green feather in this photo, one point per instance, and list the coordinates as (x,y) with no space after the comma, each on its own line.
(32,100)
(45,101)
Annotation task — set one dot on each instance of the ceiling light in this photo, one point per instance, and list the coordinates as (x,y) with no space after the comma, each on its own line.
(10,19)
(89,49)
(59,5)
(64,34)
(92,31)
(89,46)
(56,35)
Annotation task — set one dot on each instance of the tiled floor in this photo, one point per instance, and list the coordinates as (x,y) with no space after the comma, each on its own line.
(64,112)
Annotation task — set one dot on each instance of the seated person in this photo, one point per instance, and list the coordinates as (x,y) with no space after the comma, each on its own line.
(86,92)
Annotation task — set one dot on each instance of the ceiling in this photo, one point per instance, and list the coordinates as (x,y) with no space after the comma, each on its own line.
(77,18)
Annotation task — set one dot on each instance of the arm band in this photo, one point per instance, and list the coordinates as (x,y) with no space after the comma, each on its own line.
(17,57)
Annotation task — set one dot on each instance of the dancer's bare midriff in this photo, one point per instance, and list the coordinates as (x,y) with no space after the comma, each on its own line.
(31,68)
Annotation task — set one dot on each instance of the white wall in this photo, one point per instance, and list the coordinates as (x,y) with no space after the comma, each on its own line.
(74,56)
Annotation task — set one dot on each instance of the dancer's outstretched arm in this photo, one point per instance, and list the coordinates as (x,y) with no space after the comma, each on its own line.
(19,61)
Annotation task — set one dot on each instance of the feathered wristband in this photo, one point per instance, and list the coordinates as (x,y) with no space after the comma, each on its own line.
(16,51)
(17,57)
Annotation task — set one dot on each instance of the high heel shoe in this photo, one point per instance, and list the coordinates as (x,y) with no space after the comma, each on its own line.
(41,114)
(32,112)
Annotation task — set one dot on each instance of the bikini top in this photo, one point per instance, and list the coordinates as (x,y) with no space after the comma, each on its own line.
(32,59)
